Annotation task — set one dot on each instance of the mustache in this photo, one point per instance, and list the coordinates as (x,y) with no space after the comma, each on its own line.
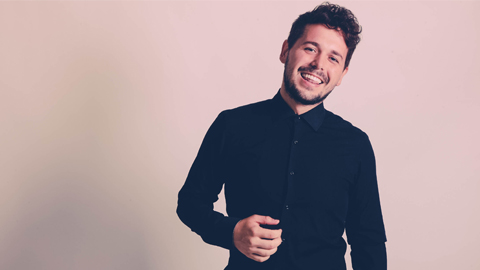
(316,72)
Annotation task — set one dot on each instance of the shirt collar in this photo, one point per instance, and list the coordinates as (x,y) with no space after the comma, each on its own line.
(314,117)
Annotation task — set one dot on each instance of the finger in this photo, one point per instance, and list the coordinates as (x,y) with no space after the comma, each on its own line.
(268,244)
(267,233)
(277,241)
(259,258)
(264,252)
(266,220)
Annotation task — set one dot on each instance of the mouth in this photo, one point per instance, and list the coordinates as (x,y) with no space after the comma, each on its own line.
(311,78)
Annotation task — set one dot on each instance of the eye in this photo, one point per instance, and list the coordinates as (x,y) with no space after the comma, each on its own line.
(309,49)
(333,59)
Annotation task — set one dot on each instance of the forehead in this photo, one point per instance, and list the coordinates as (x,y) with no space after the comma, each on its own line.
(326,37)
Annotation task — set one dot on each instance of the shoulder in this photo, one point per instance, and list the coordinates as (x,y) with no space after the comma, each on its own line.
(251,121)
(249,114)
(249,110)
(349,137)
(344,129)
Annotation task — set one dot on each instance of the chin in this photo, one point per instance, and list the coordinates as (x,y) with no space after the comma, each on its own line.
(303,99)
(302,94)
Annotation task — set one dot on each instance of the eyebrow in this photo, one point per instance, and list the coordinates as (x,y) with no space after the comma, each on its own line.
(318,46)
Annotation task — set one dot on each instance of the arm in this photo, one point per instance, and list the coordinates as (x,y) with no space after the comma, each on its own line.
(364,225)
(195,203)
(204,183)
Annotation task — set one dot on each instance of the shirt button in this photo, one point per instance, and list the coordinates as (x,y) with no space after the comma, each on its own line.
(283,239)
(295,142)
(292,173)
(286,207)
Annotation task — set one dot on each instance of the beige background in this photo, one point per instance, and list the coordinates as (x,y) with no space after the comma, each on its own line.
(103,106)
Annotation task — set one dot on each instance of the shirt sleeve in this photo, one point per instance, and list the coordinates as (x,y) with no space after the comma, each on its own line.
(364,225)
(202,186)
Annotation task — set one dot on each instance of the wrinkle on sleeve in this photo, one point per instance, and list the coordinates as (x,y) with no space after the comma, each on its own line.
(202,186)
(364,225)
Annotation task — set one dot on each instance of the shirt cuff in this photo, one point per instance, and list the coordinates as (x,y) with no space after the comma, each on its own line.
(225,232)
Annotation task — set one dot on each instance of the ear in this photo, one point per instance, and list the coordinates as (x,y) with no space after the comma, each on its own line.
(284,52)
(343,74)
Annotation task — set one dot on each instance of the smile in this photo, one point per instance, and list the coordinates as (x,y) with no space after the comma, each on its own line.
(311,78)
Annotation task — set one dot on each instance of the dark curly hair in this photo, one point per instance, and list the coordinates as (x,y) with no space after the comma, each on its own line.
(333,17)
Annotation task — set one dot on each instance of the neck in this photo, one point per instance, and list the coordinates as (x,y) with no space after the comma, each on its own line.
(296,107)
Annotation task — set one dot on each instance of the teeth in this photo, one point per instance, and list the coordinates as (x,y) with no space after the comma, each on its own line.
(312,78)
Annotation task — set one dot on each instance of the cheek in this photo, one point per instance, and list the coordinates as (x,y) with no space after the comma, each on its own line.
(291,69)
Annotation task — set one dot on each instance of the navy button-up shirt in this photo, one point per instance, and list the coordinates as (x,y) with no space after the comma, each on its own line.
(314,172)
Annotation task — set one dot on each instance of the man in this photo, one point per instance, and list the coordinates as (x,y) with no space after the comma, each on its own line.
(295,175)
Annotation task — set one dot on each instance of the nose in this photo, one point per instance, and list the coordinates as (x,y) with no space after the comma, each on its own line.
(318,62)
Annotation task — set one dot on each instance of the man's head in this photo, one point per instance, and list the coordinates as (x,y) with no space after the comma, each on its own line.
(317,52)
(333,17)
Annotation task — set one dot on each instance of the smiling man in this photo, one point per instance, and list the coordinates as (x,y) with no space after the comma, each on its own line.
(296,176)
(314,65)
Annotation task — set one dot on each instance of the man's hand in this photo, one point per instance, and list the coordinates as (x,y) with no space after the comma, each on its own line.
(254,241)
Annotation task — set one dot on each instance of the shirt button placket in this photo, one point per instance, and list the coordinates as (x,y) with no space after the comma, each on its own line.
(290,177)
